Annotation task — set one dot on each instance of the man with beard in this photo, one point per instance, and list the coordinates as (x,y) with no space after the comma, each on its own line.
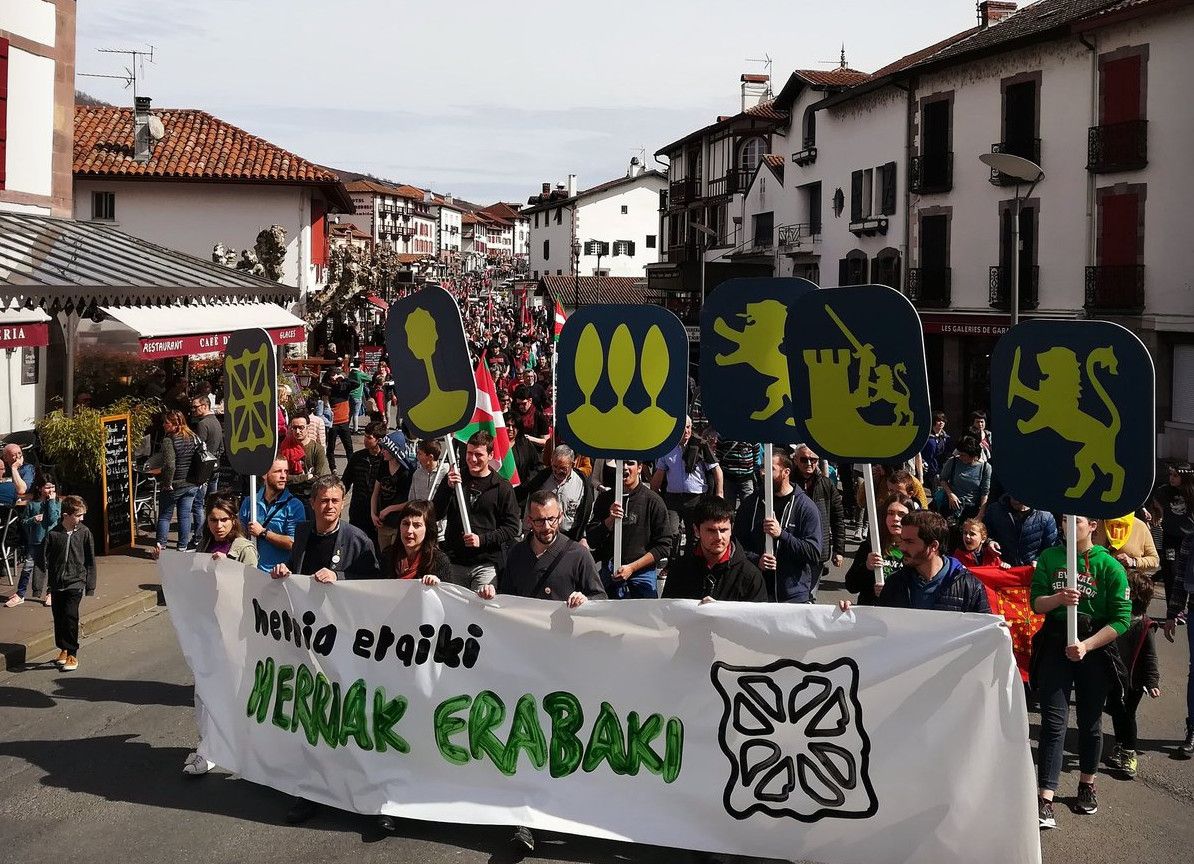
(792,570)
(716,568)
(546,565)
(574,490)
(359,475)
(645,536)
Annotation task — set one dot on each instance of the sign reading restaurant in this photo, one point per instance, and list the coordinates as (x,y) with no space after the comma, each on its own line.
(208,343)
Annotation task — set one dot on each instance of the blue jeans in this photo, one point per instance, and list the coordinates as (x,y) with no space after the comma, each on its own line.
(641,586)
(198,513)
(738,488)
(168,499)
(354,411)
(33,567)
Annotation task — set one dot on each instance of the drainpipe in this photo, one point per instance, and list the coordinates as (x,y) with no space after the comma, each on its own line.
(909,114)
(1091,178)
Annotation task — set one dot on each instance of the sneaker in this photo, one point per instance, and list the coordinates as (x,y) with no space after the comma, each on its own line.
(1087,803)
(14,600)
(1186,749)
(61,658)
(155,551)
(1044,814)
(1115,759)
(70,664)
(1181,618)
(196,765)
(1129,764)
(523,840)
(47,600)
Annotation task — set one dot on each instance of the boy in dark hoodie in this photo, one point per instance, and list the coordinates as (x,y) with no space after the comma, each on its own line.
(70,565)
(715,569)
(1140,675)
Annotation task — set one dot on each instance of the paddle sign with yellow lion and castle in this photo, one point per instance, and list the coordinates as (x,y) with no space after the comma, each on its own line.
(1072,417)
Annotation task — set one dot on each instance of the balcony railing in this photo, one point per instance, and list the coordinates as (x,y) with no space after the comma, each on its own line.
(738,180)
(1030,150)
(1115,287)
(1000,287)
(930,286)
(794,239)
(1117,147)
(682,191)
(717,188)
(807,154)
(681,253)
(930,173)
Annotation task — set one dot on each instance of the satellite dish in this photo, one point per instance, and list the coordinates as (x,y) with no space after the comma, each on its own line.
(156,130)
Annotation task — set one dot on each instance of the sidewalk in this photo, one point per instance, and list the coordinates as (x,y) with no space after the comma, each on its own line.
(127,584)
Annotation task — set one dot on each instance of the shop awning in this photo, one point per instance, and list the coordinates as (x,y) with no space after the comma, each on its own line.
(180,331)
(24,328)
(378,302)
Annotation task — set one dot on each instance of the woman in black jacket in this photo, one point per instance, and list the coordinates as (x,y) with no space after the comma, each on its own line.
(860,578)
(416,553)
(174,490)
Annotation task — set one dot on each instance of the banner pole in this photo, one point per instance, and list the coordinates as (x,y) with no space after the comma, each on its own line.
(461,501)
(253,501)
(1071,576)
(555,395)
(619,496)
(768,496)
(872,515)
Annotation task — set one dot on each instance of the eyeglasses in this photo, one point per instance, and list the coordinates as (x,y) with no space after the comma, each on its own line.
(545,521)
(808,460)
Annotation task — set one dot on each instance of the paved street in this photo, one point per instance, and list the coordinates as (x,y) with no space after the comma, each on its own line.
(90,767)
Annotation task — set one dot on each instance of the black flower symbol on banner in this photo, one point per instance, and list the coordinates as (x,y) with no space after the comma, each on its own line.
(793,734)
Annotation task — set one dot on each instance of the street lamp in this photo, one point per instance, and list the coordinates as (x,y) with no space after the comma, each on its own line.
(576,247)
(1022,171)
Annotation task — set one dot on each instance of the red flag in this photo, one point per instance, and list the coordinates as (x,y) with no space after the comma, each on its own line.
(1008,592)
(488,416)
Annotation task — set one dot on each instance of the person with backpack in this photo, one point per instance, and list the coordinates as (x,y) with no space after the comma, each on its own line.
(209,433)
(1140,674)
(1178,601)
(176,489)
(965,483)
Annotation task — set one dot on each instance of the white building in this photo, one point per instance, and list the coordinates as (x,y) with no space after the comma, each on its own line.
(448,241)
(618,218)
(187,181)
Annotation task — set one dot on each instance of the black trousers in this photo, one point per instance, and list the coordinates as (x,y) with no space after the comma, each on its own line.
(1123,717)
(343,434)
(65,609)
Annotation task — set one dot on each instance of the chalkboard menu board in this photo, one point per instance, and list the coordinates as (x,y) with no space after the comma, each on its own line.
(117,483)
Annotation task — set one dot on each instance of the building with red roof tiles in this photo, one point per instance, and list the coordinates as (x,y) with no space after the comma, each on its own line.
(187,180)
(397,215)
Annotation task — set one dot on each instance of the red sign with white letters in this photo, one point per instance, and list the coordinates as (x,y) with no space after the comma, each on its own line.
(32,335)
(207,343)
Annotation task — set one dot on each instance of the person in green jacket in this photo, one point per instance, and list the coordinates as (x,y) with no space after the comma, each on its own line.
(359,378)
(1104,613)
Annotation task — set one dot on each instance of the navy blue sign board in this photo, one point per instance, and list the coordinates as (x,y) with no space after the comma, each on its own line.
(745,387)
(429,359)
(250,402)
(623,381)
(860,387)
(1073,417)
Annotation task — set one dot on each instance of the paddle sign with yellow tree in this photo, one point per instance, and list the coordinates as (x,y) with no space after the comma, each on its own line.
(622,391)
(860,387)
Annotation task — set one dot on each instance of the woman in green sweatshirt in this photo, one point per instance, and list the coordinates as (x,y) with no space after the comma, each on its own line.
(1104,613)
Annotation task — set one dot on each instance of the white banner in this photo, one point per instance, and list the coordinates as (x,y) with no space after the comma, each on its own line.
(780,731)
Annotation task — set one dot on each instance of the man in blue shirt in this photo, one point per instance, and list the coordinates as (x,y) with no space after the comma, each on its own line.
(691,471)
(16,478)
(278,515)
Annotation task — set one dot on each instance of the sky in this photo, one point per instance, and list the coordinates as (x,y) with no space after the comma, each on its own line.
(484,100)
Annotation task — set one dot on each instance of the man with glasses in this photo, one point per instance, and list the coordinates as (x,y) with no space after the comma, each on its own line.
(305,460)
(210,431)
(823,493)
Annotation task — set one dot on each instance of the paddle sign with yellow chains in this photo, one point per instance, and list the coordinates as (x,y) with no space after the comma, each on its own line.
(250,402)
(623,381)
(1072,417)
(433,375)
(859,384)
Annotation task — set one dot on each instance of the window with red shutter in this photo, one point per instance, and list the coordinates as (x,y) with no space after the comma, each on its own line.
(3,109)
(319,245)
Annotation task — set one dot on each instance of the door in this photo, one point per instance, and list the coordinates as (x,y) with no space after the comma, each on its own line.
(1019,103)
(934,172)
(1121,90)
(1119,220)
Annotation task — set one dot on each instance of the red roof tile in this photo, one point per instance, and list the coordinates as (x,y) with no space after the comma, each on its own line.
(197,146)
(833,77)
(923,54)
(596,289)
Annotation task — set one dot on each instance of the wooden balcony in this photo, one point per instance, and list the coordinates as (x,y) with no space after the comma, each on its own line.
(931,173)
(682,192)
(1000,287)
(930,287)
(1117,147)
(1115,288)
(682,253)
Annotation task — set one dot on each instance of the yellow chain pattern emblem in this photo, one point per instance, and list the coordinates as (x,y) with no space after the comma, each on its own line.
(248,400)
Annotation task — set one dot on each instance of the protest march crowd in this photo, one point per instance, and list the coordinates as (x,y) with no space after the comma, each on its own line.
(541,517)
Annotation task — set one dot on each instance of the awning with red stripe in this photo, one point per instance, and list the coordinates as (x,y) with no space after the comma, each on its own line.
(24,328)
(378,302)
(181,331)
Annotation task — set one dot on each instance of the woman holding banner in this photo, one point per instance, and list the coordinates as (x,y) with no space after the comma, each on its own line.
(860,578)
(1104,613)
(416,554)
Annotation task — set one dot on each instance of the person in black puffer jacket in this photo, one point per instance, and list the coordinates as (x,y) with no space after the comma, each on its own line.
(174,490)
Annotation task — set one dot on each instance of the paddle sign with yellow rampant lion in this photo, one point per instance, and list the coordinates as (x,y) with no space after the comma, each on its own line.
(1073,417)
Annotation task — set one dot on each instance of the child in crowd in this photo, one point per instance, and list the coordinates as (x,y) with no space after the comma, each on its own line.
(70,564)
(1140,674)
(39,517)
(975,551)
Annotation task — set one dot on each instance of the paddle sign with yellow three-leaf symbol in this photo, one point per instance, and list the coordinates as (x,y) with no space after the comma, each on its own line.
(623,381)
(250,402)
(428,353)
(859,383)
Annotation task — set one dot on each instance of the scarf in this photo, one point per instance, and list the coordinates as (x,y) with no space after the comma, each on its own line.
(294,453)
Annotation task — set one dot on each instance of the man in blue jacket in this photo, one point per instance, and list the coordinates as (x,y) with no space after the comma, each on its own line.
(1021,532)
(928,579)
(791,573)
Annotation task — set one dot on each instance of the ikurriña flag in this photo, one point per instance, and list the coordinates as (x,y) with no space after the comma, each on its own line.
(488,416)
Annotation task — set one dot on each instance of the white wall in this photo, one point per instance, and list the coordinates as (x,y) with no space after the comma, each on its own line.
(30,143)
(27,399)
(559,238)
(33,19)
(193,217)
(601,218)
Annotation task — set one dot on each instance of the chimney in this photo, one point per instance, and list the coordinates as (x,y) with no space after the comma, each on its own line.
(142,142)
(448,199)
(546,189)
(993,11)
(636,168)
(571,185)
(755,88)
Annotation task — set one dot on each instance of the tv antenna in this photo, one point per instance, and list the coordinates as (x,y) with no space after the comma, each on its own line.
(766,61)
(137,60)
(839,63)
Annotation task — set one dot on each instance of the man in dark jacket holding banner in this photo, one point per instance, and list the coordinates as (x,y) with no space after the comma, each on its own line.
(715,568)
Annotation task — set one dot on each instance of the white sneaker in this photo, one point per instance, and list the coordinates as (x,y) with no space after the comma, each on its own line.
(14,600)
(196,765)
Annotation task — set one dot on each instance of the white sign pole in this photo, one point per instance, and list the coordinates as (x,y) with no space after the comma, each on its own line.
(619,497)
(253,501)
(872,515)
(1071,576)
(461,501)
(768,496)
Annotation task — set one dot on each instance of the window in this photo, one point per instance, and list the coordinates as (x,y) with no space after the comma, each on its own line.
(536,274)
(852,270)
(601,272)
(559,214)
(546,250)
(103,206)
(861,192)
(624,247)
(764,229)
(3,106)
(885,269)
(559,272)
(650,244)
(536,220)
(750,154)
(887,188)
(625,209)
